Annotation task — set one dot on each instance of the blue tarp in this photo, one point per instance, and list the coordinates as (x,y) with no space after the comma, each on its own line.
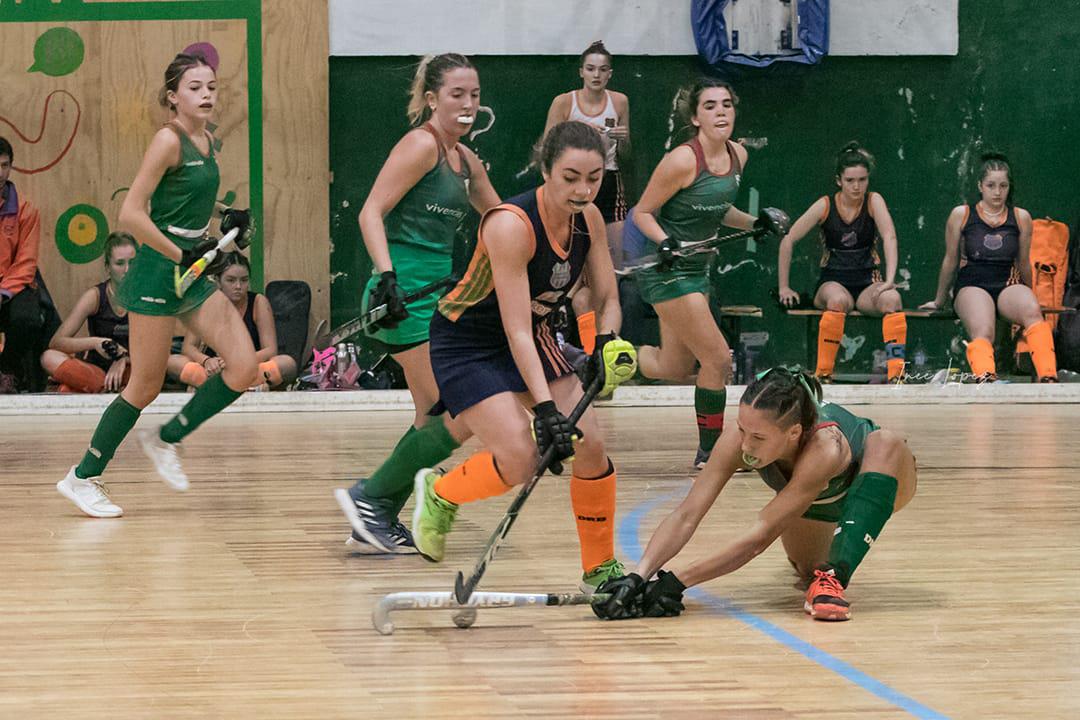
(714,46)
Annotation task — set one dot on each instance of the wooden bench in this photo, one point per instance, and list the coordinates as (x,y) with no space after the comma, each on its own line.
(811,328)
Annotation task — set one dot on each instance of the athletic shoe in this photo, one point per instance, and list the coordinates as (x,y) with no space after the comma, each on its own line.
(373,520)
(825,597)
(432,518)
(166,458)
(89,495)
(1048,379)
(701,458)
(986,377)
(825,379)
(610,570)
(403,543)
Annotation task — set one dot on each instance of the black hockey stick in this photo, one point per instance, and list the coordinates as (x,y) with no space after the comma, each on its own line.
(689,250)
(463,588)
(375,314)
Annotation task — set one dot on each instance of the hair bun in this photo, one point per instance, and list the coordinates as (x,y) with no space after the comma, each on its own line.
(993,155)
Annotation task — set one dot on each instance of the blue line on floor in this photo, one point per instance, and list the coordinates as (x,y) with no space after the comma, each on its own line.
(629,531)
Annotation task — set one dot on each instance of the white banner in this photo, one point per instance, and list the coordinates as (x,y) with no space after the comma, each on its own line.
(627,27)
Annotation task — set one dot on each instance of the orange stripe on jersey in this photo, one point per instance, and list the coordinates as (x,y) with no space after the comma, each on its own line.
(825,215)
(473,287)
(546,343)
(478,281)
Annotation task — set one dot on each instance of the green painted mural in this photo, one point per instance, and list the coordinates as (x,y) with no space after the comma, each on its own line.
(927,119)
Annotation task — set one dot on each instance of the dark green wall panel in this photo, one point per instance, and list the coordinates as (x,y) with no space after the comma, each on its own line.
(1013,86)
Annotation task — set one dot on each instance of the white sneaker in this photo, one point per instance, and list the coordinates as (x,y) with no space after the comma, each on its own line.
(89,495)
(166,459)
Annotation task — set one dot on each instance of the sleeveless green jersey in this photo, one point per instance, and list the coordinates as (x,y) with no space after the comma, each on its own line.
(184,199)
(428,216)
(855,430)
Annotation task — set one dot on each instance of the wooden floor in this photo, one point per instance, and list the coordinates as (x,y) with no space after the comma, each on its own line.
(238,599)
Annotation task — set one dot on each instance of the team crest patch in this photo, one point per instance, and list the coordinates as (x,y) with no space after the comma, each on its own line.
(993,241)
(849,239)
(560,275)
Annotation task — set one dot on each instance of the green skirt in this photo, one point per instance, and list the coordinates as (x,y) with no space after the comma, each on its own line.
(149,287)
(414,269)
(689,275)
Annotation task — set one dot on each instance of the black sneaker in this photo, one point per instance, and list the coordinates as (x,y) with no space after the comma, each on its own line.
(701,457)
(402,538)
(373,521)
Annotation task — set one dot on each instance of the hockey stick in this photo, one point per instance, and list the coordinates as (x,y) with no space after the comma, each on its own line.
(193,273)
(463,588)
(466,615)
(352,327)
(689,250)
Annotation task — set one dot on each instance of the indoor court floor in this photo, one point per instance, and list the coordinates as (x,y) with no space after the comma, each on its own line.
(239,599)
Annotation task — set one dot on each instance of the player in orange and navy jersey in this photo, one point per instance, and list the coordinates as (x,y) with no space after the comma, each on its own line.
(494,353)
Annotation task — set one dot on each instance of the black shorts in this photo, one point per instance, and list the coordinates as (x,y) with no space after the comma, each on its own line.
(470,369)
(610,199)
(988,277)
(854,281)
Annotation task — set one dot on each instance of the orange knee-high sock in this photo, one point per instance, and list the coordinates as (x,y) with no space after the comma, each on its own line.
(270,372)
(475,479)
(1041,339)
(586,327)
(830,332)
(79,376)
(193,374)
(980,355)
(894,331)
(594,510)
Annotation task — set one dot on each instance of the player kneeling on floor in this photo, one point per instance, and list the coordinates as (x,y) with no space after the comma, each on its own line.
(838,479)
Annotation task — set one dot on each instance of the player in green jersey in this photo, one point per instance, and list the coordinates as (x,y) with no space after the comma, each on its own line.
(168,210)
(409,224)
(690,195)
(838,479)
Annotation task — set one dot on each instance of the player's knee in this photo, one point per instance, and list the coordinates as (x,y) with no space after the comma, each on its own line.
(590,448)
(837,305)
(516,460)
(886,447)
(718,362)
(889,302)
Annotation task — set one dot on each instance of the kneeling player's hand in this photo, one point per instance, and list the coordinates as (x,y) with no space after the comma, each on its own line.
(552,429)
(614,361)
(625,600)
(667,253)
(663,596)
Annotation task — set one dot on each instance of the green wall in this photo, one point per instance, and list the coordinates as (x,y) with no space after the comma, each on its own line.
(1013,86)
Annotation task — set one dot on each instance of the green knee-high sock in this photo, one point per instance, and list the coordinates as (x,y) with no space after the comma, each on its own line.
(868,507)
(212,397)
(115,423)
(419,449)
(709,405)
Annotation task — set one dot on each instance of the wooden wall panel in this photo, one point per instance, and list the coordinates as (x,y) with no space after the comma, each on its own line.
(112,96)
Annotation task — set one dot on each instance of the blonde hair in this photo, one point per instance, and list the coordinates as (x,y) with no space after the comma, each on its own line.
(429,78)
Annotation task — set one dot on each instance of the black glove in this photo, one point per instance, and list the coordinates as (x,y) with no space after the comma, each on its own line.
(771,221)
(232,218)
(552,429)
(387,292)
(624,602)
(665,253)
(111,349)
(663,596)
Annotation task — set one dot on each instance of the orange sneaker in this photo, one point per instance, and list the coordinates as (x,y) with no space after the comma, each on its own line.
(825,597)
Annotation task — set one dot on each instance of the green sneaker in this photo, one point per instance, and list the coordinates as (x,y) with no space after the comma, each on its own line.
(432,518)
(610,570)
